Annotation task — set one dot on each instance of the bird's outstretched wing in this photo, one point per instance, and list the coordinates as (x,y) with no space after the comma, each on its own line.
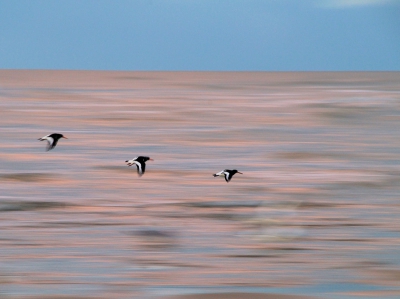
(228,176)
(141,167)
(51,143)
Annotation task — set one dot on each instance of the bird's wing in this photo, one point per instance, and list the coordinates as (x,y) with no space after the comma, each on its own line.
(228,176)
(140,167)
(51,143)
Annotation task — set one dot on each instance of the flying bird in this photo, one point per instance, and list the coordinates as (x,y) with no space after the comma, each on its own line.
(227,173)
(140,163)
(52,140)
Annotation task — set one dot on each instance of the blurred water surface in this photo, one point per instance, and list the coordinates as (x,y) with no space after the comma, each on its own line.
(316,212)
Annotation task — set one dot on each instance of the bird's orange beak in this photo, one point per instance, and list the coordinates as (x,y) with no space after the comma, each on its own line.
(240,172)
(64,137)
(151,159)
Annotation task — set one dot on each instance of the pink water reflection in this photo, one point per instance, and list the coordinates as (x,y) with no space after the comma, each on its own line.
(317,207)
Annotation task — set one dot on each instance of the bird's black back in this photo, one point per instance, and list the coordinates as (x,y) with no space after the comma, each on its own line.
(142,159)
(56,136)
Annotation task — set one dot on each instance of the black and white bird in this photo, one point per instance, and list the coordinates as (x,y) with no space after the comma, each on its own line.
(52,140)
(140,163)
(227,173)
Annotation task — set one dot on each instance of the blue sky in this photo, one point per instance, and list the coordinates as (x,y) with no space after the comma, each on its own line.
(216,35)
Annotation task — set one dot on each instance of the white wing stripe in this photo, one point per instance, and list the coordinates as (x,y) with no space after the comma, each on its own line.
(50,141)
(139,167)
